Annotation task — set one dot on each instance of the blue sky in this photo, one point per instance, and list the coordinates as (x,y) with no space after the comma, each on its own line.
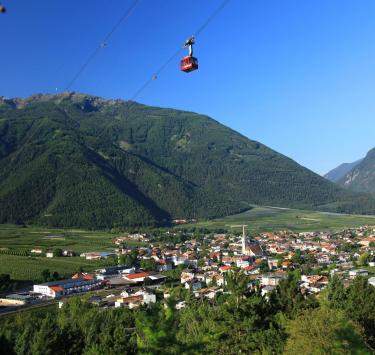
(298,76)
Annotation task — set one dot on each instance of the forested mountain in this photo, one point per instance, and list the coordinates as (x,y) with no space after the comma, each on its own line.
(339,172)
(78,160)
(362,177)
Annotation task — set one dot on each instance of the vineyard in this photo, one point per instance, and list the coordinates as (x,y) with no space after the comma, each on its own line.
(16,243)
(30,268)
(27,238)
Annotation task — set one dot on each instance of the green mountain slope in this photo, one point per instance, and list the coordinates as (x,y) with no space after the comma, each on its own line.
(362,176)
(78,160)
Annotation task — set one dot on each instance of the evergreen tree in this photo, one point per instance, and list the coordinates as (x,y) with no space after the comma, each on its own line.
(336,293)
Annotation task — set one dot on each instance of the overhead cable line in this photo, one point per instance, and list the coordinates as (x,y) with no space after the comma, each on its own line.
(210,18)
(103,44)
(156,74)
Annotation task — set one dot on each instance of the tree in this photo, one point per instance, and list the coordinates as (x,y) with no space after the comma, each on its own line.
(148,264)
(6,346)
(156,331)
(349,247)
(287,297)
(175,274)
(236,283)
(297,258)
(360,307)
(6,283)
(129,259)
(324,331)
(263,266)
(25,337)
(46,340)
(58,252)
(336,293)
(363,259)
(46,274)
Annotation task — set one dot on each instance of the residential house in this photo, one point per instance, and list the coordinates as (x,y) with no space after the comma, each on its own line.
(272,279)
(367,241)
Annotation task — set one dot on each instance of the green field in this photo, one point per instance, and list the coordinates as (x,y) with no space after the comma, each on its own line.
(16,242)
(16,237)
(26,268)
(264,219)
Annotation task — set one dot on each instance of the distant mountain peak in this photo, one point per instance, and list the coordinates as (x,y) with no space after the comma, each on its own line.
(339,172)
(361,178)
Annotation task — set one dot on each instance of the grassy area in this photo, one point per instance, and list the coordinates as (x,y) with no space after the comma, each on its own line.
(262,219)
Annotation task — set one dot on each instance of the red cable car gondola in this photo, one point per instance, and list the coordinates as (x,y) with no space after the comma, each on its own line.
(189,63)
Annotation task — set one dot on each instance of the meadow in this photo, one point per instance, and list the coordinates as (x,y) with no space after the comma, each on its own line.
(269,219)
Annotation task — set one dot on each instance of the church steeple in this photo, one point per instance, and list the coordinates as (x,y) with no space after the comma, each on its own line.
(243,240)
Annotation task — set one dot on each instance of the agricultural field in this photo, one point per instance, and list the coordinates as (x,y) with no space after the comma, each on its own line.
(16,243)
(30,237)
(26,268)
(263,219)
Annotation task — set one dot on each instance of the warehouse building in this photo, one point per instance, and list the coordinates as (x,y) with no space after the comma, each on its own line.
(56,289)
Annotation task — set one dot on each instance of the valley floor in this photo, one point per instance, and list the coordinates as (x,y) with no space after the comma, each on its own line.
(270,219)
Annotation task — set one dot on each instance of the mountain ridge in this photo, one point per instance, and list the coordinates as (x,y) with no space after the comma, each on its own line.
(78,160)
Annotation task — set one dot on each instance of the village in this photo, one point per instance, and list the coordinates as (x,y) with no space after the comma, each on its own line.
(198,266)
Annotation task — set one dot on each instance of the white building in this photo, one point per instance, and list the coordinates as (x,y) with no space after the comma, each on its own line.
(271,279)
(359,272)
(136,299)
(56,289)
(36,251)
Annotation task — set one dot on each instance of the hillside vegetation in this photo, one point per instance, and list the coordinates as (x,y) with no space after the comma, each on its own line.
(77,160)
